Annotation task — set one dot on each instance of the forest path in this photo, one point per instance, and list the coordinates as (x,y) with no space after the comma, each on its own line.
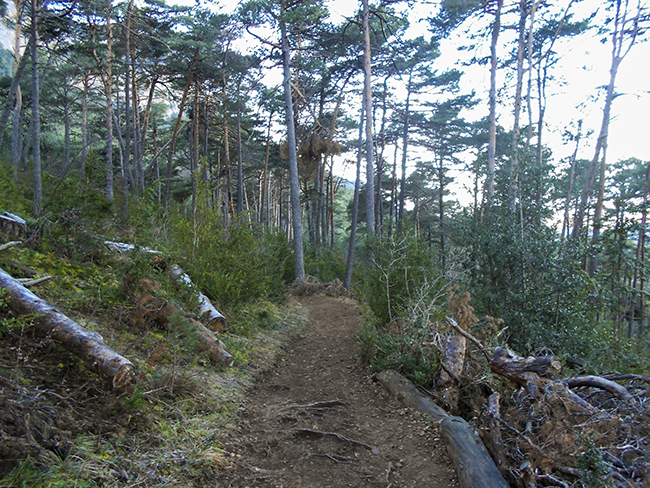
(275,444)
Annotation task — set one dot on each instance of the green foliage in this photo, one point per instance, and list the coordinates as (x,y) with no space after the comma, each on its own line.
(401,348)
(11,322)
(232,264)
(326,264)
(14,199)
(515,274)
(248,317)
(404,295)
(29,474)
(593,468)
(401,269)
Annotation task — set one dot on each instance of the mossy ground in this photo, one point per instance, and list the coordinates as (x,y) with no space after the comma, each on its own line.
(63,426)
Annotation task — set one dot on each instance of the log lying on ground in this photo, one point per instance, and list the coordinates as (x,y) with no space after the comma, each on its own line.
(13,225)
(89,346)
(508,364)
(209,315)
(405,392)
(216,349)
(473,464)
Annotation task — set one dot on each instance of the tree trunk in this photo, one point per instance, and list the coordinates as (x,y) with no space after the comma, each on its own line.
(405,139)
(296,211)
(452,365)
(36,124)
(128,138)
(240,161)
(514,144)
(572,171)
(355,206)
(619,51)
(179,118)
(370,193)
(108,84)
(87,345)
(492,134)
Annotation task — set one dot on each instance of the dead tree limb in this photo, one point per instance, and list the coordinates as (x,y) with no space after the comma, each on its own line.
(452,365)
(507,363)
(209,315)
(89,346)
(601,383)
(469,336)
(9,244)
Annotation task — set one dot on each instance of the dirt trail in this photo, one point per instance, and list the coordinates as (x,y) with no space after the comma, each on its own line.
(276,446)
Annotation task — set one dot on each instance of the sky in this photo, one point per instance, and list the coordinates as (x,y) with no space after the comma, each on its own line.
(577,93)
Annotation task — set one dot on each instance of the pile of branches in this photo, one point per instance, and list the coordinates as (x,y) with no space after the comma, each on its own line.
(580,431)
(541,427)
(312,286)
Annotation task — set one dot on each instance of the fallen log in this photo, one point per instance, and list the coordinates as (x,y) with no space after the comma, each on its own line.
(527,373)
(89,346)
(515,368)
(474,466)
(209,315)
(408,394)
(601,383)
(13,225)
(208,341)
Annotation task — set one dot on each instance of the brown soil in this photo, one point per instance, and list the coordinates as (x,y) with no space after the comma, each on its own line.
(318,386)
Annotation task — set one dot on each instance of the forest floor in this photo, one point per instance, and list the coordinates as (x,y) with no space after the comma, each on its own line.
(318,386)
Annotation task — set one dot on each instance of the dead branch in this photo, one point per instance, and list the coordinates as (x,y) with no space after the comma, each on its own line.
(469,336)
(601,383)
(9,244)
(338,436)
(334,457)
(29,282)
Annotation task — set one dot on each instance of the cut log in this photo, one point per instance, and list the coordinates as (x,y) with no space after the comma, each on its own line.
(13,225)
(515,368)
(405,392)
(597,382)
(209,315)
(526,374)
(453,362)
(89,346)
(473,464)
(208,341)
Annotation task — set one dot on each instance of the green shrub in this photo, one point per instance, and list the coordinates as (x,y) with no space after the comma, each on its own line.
(231,264)
(326,265)
(401,270)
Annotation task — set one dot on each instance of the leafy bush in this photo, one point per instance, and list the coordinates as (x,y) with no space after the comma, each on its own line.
(402,269)
(405,296)
(231,264)
(326,265)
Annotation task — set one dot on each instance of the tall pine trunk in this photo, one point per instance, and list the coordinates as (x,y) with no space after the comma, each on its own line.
(296,212)
(367,70)
(492,131)
(36,128)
